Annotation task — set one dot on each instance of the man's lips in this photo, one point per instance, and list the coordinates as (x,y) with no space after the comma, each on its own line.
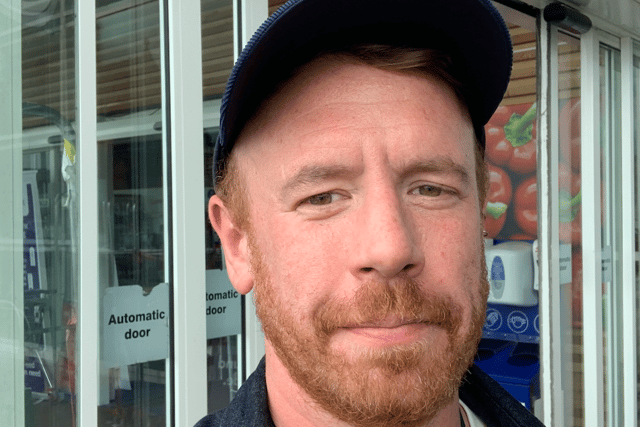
(388,323)
(389,332)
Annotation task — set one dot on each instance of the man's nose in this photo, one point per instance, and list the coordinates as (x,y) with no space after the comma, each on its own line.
(389,241)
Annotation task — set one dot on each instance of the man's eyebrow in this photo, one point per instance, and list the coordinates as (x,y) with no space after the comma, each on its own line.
(315,173)
(312,174)
(442,165)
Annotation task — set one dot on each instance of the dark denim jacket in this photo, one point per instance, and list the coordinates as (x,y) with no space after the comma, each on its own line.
(485,397)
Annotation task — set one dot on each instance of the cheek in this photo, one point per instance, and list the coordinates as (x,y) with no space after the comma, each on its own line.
(454,260)
(452,245)
(304,265)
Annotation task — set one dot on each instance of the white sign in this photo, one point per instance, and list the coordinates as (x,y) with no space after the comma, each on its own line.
(135,326)
(223,306)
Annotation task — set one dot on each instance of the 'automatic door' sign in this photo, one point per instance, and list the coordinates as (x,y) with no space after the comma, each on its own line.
(135,326)
(223,306)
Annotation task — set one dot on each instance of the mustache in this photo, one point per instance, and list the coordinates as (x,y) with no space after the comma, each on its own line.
(404,300)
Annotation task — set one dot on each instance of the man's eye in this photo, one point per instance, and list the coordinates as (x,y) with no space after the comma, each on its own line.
(428,190)
(321,199)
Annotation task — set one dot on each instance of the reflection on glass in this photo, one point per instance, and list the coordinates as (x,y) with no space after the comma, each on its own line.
(224,306)
(610,142)
(134,295)
(636,139)
(570,226)
(511,145)
(511,334)
(50,215)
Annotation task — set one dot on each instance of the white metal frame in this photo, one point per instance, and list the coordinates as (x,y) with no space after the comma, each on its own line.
(594,347)
(87,165)
(182,40)
(185,80)
(611,294)
(11,232)
(185,83)
(550,318)
(594,383)
(591,232)
(188,403)
(628,277)
(556,409)
(548,51)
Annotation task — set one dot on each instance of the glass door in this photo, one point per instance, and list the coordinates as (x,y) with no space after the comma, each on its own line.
(96,290)
(569,232)
(224,306)
(612,230)
(510,348)
(561,203)
(39,291)
(133,288)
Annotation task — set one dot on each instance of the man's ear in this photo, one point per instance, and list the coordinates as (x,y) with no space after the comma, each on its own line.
(234,243)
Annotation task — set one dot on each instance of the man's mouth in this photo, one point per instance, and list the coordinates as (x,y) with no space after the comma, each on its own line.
(389,322)
(389,332)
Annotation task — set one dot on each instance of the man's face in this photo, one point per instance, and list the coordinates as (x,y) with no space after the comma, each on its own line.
(365,239)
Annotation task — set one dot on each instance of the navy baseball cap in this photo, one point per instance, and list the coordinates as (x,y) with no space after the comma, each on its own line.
(472,32)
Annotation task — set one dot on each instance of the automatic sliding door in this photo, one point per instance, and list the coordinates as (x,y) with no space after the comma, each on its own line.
(133,283)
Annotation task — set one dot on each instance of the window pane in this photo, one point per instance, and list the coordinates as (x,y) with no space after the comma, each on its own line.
(134,294)
(570,237)
(509,350)
(610,141)
(48,299)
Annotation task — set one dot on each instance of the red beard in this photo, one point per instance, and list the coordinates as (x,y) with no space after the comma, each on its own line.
(399,385)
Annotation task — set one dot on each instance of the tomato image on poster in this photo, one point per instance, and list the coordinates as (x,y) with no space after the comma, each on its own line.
(498,199)
(511,157)
(511,211)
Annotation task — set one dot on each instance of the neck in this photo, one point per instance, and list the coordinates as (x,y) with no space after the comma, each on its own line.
(290,406)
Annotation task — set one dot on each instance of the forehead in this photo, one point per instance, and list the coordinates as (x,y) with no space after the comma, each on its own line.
(332,96)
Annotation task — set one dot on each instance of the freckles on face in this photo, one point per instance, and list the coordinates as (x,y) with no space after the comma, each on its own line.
(454,257)
(366,233)
(341,136)
(454,268)
(303,259)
